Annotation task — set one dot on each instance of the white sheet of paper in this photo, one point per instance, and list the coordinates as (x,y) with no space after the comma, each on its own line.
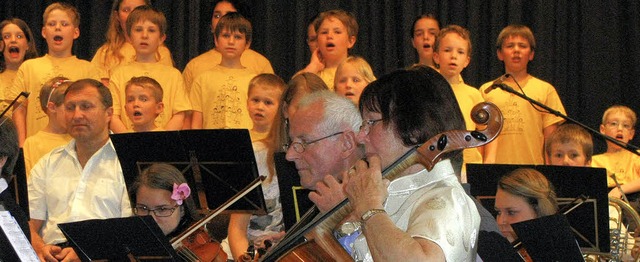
(18,240)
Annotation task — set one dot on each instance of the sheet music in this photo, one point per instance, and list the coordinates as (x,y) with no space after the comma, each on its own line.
(16,237)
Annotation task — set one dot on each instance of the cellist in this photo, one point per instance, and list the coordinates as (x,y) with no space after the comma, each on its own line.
(422,215)
(323,144)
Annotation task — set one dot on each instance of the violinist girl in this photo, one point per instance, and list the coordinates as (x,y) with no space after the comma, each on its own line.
(162,192)
(523,194)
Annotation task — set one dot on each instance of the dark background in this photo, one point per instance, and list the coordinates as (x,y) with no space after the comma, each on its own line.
(589,50)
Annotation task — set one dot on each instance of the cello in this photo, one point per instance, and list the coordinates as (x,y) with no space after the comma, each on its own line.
(317,229)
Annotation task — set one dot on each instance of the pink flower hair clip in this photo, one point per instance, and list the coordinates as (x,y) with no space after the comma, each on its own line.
(180,192)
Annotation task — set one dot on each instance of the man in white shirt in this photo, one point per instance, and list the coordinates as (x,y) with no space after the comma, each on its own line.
(80,181)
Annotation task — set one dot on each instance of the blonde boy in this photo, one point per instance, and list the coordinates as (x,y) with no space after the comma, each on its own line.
(146,27)
(569,145)
(336,31)
(264,95)
(619,122)
(55,133)
(60,29)
(219,96)
(143,103)
(525,127)
(452,52)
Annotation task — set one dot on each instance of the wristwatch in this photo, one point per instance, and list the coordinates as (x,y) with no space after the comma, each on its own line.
(347,229)
(371,212)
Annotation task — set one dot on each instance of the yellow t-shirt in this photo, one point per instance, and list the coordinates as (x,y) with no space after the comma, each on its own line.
(252,60)
(6,79)
(221,95)
(522,140)
(467,97)
(128,57)
(40,144)
(33,73)
(328,75)
(624,164)
(174,97)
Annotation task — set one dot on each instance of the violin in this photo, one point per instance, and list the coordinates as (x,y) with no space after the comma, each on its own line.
(317,228)
(199,246)
(195,244)
(522,252)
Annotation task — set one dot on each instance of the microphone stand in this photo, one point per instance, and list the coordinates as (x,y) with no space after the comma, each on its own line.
(628,146)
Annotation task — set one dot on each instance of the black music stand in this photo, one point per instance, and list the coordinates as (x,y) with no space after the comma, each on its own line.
(18,185)
(548,238)
(217,163)
(494,247)
(589,221)
(137,238)
(295,199)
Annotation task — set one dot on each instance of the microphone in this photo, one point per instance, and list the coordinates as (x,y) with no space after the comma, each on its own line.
(498,83)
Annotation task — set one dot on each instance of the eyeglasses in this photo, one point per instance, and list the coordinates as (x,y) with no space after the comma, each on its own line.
(159,212)
(615,124)
(301,146)
(367,124)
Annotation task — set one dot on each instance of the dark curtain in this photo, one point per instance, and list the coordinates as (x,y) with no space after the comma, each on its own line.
(589,50)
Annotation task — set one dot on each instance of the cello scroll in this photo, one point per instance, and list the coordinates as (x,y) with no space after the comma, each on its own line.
(485,114)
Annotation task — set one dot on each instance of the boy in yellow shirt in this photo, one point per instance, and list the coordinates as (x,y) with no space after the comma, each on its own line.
(525,128)
(251,59)
(55,133)
(619,122)
(219,96)
(569,145)
(265,91)
(452,52)
(117,49)
(147,27)
(60,29)
(143,103)
(337,31)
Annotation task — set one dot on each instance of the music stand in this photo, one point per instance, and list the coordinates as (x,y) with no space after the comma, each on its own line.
(548,238)
(136,238)
(295,199)
(217,163)
(494,247)
(589,221)
(18,185)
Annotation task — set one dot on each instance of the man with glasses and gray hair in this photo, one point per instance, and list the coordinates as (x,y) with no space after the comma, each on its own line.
(323,145)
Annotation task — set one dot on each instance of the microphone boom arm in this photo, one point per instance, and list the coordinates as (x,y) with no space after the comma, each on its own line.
(628,146)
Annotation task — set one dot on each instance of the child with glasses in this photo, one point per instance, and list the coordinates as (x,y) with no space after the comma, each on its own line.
(619,122)
(55,133)
(162,192)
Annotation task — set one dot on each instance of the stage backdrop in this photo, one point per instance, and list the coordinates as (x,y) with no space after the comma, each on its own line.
(589,50)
